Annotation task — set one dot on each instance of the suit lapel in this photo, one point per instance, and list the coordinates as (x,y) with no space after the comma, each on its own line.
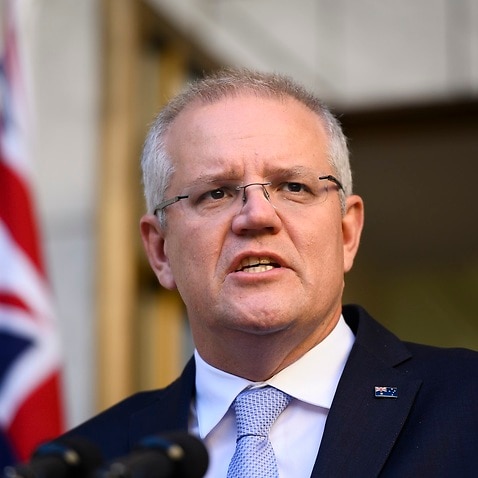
(361,429)
(170,412)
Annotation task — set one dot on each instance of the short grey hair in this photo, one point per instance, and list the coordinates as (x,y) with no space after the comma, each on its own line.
(157,165)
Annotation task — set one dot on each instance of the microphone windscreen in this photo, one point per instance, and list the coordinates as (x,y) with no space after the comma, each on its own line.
(172,455)
(191,459)
(66,457)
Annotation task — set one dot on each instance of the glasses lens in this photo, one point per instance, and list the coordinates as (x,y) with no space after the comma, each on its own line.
(295,194)
(212,199)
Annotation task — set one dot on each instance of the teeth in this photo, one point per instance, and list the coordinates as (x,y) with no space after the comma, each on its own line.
(259,268)
(256,264)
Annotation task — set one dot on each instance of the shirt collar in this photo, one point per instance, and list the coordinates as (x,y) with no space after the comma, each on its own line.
(312,379)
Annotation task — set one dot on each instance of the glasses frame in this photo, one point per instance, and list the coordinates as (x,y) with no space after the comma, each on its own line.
(167,202)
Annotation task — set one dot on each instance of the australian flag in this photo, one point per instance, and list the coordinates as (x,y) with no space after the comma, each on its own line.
(386,392)
(30,404)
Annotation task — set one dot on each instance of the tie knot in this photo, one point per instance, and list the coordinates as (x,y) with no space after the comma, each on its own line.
(257,409)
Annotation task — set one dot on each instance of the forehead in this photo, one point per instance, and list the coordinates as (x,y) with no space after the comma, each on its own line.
(246,131)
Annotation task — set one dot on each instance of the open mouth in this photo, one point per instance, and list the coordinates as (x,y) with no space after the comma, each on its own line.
(256,264)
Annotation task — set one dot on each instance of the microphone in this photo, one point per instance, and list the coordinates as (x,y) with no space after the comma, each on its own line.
(174,455)
(67,457)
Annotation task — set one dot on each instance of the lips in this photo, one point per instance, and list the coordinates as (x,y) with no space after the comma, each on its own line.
(256,264)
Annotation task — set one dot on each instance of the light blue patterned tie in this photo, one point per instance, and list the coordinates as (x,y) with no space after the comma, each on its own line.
(256,410)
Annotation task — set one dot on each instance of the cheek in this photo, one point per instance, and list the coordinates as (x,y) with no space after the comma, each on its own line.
(323,252)
(193,254)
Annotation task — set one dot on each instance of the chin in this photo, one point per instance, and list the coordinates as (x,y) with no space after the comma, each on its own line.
(259,324)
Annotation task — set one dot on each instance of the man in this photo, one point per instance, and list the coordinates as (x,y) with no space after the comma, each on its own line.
(251,217)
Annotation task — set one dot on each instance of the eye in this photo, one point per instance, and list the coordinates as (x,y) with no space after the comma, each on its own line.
(216,194)
(296,192)
(293,187)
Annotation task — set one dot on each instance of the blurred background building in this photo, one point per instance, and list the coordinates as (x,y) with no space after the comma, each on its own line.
(402,76)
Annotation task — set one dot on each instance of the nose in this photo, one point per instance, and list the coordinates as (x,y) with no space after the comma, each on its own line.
(263,186)
(257,213)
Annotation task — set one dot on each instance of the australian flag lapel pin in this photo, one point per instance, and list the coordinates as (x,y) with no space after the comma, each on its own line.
(386,392)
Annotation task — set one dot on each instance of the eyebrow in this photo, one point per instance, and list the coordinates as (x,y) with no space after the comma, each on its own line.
(295,171)
(212,179)
(231,174)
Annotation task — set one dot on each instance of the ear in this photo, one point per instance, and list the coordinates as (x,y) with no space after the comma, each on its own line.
(154,241)
(352,225)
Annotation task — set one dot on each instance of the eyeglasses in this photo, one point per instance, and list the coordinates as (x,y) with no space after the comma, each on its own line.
(214,198)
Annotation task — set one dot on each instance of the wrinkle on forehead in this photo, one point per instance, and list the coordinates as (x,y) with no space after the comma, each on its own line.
(197,111)
(235,136)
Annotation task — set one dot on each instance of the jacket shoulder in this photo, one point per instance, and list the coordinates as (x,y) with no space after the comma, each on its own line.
(117,429)
(443,364)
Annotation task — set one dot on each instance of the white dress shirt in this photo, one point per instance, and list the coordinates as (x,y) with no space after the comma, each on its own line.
(297,433)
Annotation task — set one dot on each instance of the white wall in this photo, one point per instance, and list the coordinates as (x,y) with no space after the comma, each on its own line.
(65,51)
(353,52)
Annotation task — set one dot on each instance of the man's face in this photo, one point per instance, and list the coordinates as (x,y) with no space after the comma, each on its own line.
(249,139)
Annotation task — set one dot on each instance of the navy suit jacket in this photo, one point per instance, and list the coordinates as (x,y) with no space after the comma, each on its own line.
(429,430)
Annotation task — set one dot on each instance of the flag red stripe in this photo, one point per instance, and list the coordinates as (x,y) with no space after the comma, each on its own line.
(15,301)
(16,212)
(38,416)
(45,406)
